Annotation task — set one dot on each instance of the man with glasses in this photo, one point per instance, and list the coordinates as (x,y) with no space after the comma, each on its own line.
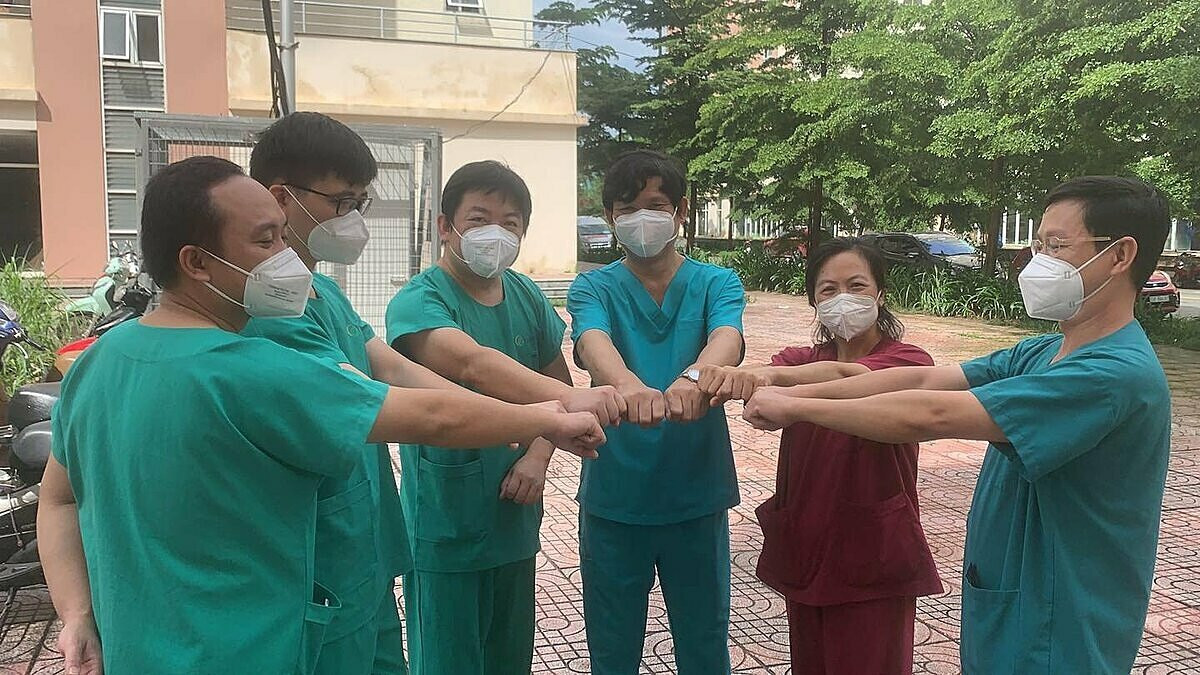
(319,170)
(1063,528)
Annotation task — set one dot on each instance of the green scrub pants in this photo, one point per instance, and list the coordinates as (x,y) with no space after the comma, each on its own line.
(471,623)
(375,649)
(619,561)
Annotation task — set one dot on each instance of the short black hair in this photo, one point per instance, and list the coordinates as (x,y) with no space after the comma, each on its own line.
(488,177)
(1117,207)
(177,211)
(627,177)
(888,324)
(305,147)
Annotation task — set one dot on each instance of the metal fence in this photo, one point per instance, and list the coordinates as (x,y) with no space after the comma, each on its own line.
(465,26)
(403,214)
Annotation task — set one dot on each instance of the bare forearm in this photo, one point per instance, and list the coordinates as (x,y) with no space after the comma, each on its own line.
(725,348)
(931,378)
(812,373)
(495,374)
(60,547)
(452,419)
(602,360)
(901,417)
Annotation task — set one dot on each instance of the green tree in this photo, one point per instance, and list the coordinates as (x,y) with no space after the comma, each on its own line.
(675,88)
(608,95)
(820,113)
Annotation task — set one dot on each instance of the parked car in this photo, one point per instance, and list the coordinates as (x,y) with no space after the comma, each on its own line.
(1186,270)
(902,248)
(954,250)
(792,242)
(1160,292)
(1019,261)
(593,234)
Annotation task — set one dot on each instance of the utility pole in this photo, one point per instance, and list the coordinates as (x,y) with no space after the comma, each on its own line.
(287,53)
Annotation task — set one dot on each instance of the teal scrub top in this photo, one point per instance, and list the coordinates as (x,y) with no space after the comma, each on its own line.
(1063,528)
(361,532)
(673,472)
(457,521)
(195,457)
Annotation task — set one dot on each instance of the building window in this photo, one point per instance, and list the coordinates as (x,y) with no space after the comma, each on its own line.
(114,42)
(465,6)
(131,36)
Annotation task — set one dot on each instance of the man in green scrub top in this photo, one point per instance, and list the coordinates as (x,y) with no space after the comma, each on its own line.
(475,516)
(659,500)
(178,513)
(1063,528)
(319,170)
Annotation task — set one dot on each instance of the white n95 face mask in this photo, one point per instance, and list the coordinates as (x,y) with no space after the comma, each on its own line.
(646,232)
(338,240)
(488,250)
(278,287)
(1052,289)
(848,315)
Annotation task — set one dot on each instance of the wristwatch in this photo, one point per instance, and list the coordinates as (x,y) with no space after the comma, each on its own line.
(692,374)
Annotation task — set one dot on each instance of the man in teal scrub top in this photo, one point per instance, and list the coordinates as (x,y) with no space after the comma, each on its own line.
(658,501)
(319,170)
(469,602)
(178,514)
(1063,528)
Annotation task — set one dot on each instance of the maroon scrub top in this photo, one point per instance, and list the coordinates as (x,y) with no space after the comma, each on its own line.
(843,525)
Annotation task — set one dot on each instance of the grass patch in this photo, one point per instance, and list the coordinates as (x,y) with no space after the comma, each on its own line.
(40,308)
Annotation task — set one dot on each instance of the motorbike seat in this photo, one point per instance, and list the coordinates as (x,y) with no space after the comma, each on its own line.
(32,403)
(31,451)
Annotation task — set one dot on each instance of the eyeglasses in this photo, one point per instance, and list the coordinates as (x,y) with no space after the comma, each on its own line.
(343,205)
(1053,245)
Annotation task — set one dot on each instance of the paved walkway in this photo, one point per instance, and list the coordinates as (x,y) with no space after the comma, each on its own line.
(758,639)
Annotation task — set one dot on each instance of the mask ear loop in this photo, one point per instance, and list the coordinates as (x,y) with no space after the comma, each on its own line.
(218,291)
(310,217)
(1099,288)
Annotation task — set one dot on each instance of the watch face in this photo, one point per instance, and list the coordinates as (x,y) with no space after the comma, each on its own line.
(694,374)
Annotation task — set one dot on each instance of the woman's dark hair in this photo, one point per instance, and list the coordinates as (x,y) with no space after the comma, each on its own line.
(627,177)
(306,147)
(488,177)
(887,322)
(1117,207)
(177,211)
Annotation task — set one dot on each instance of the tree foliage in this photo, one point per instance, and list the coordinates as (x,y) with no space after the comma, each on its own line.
(877,114)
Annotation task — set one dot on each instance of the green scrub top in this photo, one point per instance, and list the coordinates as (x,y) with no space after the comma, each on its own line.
(195,456)
(361,535)
(1063,528)
(673,472)
(457,521)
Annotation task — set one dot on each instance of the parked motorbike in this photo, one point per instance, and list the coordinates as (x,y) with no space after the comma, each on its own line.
(104,295)
(22,448)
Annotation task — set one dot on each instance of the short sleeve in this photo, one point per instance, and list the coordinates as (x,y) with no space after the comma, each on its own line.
(304,411)
(1003,363)
(793,356)
(586,308)
(1054,416)
(551,329)
(726,306)
(416,309)
(301,334)
(897,355)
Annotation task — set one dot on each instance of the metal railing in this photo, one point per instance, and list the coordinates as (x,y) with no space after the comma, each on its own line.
(15,8)
(341,19)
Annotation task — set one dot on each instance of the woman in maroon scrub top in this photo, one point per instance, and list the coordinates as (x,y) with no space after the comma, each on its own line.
(842,536)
